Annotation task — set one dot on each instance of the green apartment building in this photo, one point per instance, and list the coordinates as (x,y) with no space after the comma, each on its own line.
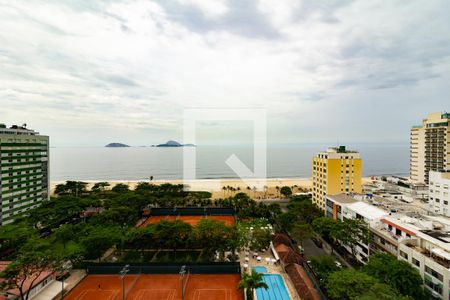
(24,171)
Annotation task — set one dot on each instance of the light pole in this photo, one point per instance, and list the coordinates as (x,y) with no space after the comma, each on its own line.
(64,269)
(122,273)
(182,274)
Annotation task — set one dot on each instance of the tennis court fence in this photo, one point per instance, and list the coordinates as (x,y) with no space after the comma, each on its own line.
(165,268)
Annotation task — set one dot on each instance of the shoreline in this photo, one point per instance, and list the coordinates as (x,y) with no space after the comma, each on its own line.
(257,188)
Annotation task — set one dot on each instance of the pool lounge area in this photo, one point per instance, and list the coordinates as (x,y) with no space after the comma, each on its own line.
(277,289)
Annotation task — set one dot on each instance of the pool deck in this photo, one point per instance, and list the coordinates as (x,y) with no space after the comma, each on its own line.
(271,269)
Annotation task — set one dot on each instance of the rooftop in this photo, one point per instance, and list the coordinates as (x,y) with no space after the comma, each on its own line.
(340,149)
(368,211)
(17,130)
(343,198)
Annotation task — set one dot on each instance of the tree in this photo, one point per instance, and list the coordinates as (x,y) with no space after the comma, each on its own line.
(172,235)
(350,232)
(323,266)
(278,191)
(13,236)
(213,235)
(250,282)
(120,215)
(65,233)
(120,188)
(396,273)
(324,226)
(285,221)
(348,284)
(35,259)
(260,239)
(74,188)
(301,231)
(98,239)
(99,187)
(380,291)
(286,191)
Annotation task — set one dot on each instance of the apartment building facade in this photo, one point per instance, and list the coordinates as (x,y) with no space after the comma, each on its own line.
(421,240)
(350,206)
(439,192)
(430,147)
(24,171)
(335,171)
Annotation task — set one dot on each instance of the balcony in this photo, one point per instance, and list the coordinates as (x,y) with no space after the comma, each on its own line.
(436,258)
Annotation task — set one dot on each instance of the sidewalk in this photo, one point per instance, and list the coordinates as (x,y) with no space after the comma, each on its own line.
(75,277)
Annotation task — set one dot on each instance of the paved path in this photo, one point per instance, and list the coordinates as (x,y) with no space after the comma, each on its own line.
(312,250)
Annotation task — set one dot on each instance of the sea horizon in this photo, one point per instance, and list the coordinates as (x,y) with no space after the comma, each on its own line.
(137,163)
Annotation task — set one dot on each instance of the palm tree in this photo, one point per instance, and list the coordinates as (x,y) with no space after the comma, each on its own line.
(250,282)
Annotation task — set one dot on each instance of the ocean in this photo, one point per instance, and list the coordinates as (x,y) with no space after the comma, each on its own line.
(139,163)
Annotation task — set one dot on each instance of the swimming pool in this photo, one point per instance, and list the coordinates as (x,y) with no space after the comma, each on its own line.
(277,289)
(260,269)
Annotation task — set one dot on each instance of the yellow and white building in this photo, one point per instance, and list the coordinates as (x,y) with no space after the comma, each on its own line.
(335,171)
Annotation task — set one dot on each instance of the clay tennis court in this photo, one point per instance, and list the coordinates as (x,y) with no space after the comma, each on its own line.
(192,220)
(158,287)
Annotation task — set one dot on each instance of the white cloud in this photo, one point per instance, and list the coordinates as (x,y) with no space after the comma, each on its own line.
(134,64)
(210,8)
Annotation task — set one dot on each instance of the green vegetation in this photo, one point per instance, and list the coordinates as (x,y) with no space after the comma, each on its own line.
(348,284)
(250,282)
(397,274)
(255,233)
(286,191)
(349,232)
(323,266)
(81,225)
(383,277)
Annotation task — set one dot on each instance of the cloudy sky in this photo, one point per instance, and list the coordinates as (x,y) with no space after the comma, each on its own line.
(91,72)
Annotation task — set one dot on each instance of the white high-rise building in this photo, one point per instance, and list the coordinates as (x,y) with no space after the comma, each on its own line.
(24,180)
(439,192)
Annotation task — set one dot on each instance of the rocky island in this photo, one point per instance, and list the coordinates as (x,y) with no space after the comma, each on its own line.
(174,144)
(116,145)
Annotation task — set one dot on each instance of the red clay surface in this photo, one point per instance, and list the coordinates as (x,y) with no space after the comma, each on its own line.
(193,220)
(158,287)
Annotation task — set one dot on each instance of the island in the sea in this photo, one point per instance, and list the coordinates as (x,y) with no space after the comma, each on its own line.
(174,144)
(116,145)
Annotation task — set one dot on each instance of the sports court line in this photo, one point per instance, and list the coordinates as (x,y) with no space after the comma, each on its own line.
(170,296)
(142,293)
(198,291)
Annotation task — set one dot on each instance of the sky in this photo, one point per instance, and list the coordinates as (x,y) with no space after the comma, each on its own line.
(87,73)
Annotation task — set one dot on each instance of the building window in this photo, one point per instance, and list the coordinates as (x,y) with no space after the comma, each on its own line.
(404,255)
(433,273)
(416,262)
(435,287)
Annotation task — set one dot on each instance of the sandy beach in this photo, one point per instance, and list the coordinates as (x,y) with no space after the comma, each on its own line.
(255,188)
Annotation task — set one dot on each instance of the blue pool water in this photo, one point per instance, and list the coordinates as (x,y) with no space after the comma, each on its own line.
(260,269)
(277,289)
